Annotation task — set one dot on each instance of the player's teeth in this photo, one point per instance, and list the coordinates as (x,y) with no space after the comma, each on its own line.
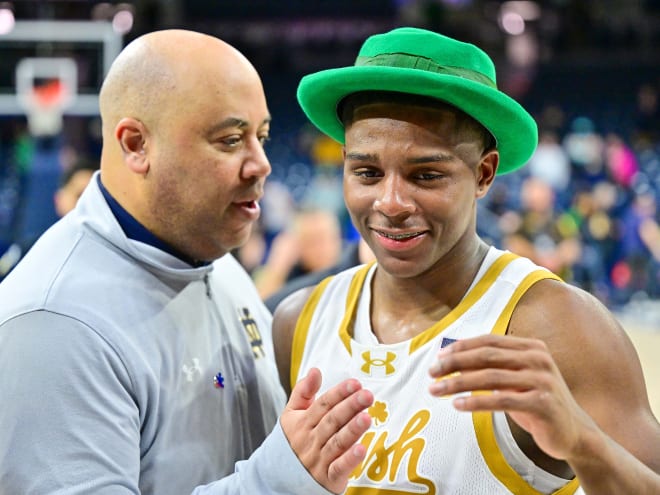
(399,236)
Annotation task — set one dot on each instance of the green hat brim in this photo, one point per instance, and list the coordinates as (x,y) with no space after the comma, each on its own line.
(514,129)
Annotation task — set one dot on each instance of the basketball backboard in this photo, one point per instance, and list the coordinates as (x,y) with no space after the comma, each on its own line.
(72,55)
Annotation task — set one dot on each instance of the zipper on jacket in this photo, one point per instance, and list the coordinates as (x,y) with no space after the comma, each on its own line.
(208,286)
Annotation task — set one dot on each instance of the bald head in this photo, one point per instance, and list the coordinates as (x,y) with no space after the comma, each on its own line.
(184,121)
(150,77)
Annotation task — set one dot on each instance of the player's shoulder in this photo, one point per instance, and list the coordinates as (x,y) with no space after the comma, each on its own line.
(292,305)
(551,307)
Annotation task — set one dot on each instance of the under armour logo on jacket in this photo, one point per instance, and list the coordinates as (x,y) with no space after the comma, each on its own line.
(191,370)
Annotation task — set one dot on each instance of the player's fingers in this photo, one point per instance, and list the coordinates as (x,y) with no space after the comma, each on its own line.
(530,401)
(490,379)
(334,410)
(303,393)
(337,429)
(532,356)
(490,340)
(346,453)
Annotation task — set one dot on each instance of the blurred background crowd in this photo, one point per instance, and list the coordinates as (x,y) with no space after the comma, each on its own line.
(586,206)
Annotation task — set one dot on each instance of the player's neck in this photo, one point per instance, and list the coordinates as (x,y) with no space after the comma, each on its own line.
(418,302)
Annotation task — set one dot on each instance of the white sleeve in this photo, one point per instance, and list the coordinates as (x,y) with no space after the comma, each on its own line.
(273,469)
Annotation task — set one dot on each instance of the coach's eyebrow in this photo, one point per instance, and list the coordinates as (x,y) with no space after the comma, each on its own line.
(230,122)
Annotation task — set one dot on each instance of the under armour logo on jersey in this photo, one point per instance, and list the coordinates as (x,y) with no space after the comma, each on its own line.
(191,370)
(384,364)
(250,325)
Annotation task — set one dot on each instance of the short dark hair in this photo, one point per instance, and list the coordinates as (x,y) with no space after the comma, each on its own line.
(347,106)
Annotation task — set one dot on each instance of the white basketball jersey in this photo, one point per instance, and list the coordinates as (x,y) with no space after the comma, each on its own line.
(417,443)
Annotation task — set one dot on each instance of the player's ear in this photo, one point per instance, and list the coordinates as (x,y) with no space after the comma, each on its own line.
(486,171)
(131,135)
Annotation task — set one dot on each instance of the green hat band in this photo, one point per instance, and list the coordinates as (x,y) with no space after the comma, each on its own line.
(407,61)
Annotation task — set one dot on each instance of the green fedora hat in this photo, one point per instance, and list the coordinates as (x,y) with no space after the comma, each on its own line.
(421,62)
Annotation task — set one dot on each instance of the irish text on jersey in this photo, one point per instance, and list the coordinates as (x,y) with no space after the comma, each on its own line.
(391,466)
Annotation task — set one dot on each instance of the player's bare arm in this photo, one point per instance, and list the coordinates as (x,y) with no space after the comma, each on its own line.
(564,363)
(284,325)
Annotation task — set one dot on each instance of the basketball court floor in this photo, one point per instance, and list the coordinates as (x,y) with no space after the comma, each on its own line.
(645,335)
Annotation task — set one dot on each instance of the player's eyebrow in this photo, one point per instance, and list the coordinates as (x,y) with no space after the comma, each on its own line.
(415,160)
(435,158)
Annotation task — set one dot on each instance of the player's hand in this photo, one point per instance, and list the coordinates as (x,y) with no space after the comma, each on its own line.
(323,432)
(521,378)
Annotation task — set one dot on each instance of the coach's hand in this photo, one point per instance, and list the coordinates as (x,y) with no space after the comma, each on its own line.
(323,432)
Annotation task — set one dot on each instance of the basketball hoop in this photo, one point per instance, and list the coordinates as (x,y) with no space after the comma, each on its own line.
(44,109)
(45,87)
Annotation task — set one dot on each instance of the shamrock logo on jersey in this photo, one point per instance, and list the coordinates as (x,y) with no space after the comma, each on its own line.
(378,413)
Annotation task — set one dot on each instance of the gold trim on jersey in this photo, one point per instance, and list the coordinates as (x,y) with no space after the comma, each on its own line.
(502,323)
(354,291)
(346,327)
(353,296)
(466,303)
(483,420)
(302,329)
(483,426)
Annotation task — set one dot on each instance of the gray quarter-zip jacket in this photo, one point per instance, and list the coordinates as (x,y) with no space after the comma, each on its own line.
(124,370)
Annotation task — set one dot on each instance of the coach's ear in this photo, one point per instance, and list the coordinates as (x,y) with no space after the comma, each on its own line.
(131,134)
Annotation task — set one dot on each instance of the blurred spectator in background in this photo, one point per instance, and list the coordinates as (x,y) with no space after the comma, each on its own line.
(325,190)
(251,254)
(620,160)
(355,253)
(10,254)
(278,208)
(550,164)
(647,115)
(585,148)
(73,182)
(539,234)
(636,270)
(312,243)
(592,212)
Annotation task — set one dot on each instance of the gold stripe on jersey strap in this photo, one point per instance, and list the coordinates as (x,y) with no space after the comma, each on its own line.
(483,421)
(466,303)
(483,424)
(346,328)
(502,322)
(302,329)
(354,291)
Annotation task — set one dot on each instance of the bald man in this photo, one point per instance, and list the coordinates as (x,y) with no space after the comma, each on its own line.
(131,361)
